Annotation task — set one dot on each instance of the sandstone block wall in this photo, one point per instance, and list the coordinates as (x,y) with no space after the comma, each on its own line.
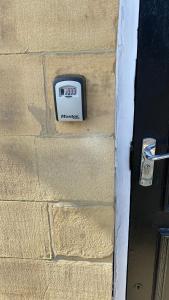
(56,179)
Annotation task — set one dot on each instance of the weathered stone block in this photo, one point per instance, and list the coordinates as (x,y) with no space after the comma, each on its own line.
(18,172)
(26,279)
(79,169)
(99,72)
(22,99)
(24,230)
(85,232)
(54,25)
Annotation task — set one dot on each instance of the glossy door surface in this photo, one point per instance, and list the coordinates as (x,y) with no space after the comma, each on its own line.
(148,262)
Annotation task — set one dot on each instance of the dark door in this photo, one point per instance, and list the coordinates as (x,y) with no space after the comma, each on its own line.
(148,261)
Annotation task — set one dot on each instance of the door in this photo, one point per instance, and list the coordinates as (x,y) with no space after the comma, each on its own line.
(148,261)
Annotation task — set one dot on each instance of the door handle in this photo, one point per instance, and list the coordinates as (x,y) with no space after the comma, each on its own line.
(150,149)
(147,161)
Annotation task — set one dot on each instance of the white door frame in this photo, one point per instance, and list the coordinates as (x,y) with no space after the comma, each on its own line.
(125,79)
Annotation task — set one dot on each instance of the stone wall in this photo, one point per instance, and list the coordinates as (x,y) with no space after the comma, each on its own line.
(56,179)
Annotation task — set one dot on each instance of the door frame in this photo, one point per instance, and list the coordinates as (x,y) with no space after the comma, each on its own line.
(126,56)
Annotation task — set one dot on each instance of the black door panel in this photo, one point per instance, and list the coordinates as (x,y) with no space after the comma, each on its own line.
(149,213)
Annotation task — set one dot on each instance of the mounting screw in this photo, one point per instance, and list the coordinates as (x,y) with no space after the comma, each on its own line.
(138,286)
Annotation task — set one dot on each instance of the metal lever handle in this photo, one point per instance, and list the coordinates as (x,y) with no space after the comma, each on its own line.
(147,161)
(148,152)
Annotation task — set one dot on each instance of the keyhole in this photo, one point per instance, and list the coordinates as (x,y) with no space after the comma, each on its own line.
(147,169)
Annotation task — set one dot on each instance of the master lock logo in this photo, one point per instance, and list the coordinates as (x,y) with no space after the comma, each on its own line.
(74,117)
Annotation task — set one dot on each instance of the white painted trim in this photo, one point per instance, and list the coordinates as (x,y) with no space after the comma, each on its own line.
(125,78)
